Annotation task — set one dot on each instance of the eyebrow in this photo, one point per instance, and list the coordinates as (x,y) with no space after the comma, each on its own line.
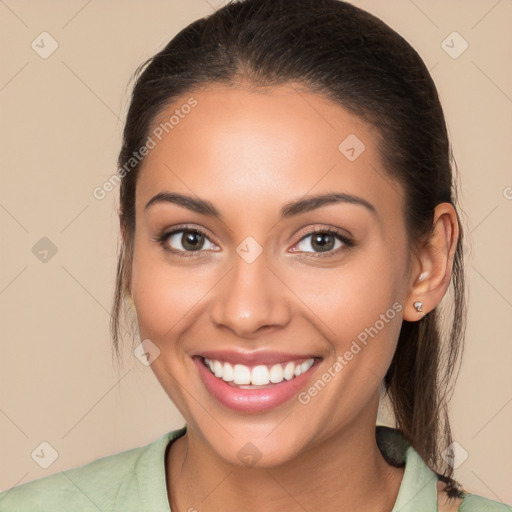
(290,209)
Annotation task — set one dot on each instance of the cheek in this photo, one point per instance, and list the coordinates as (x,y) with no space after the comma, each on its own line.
(165,293)
(354,295)
(358,309)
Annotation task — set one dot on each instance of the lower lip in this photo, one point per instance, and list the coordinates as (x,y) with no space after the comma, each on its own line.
(251,400)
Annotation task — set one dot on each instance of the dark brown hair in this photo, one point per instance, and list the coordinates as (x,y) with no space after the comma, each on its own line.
(346,54)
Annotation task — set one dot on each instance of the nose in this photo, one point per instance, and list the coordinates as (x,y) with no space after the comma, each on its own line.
(251,299)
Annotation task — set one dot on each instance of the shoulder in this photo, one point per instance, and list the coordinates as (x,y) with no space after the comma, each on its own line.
(468,503)
(97,485)
(474,503)
(83,486)
(421,487)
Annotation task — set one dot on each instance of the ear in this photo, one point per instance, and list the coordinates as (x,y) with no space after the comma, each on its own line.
(432,264)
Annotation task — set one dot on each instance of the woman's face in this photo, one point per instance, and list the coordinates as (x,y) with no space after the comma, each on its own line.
(255,291)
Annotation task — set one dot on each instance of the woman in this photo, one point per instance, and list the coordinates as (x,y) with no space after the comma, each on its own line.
(289,225)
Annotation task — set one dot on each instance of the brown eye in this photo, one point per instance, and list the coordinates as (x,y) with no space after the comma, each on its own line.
(323,241)
(192,240)
(187,240)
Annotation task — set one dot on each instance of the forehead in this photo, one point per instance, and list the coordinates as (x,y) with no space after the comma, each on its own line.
(244,147)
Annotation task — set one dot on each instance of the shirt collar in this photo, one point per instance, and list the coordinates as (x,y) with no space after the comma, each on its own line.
(418,490)
(417,493)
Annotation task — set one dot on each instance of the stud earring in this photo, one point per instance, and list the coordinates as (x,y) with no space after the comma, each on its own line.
(419,306)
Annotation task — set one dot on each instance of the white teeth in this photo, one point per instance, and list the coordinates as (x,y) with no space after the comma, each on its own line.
(306,365)
(217,368)
(289,371)
(260,375)
(242,374)
(228,373)
(276,374)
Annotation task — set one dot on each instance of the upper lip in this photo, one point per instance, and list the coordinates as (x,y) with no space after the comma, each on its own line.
(253,358)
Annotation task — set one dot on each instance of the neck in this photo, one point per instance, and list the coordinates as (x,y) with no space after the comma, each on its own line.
(348,470)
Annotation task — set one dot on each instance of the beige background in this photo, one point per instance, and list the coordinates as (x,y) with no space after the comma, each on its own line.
(61,120)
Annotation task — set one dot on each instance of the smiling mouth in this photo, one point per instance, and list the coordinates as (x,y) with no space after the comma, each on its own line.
(259,376)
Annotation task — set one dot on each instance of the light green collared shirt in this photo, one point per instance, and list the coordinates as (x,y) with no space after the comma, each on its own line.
(135,481)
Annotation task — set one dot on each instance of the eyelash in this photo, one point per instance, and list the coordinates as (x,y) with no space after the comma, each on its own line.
(164,237)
